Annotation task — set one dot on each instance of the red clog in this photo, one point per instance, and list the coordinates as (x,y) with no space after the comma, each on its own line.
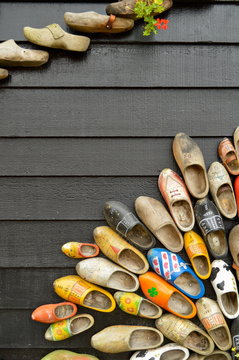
(51,313)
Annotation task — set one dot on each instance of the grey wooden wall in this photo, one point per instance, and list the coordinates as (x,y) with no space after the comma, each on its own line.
(86,128)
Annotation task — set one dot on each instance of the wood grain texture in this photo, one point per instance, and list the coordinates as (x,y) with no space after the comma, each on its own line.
(118,112)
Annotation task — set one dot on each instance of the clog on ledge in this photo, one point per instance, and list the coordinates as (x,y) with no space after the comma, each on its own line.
(67,355)
(51,313)
(78,250)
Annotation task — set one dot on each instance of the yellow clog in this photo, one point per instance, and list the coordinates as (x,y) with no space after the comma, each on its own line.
(73,288)
(198,254)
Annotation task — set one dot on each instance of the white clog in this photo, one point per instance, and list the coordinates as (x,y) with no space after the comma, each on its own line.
(172,351)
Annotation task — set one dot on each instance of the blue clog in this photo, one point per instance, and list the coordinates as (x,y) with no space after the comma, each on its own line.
(173,268)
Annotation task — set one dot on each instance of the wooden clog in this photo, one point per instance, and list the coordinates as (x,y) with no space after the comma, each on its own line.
(234,247)
(236,190)
(215,355)
(159,291)
(154,215)
(222,190)
(67,355)
(53,36)
(228,156)
(235,338)
(51,313)
(214,322)
(78,250)
(92,22)
(134,304)
(171,351)
(225,287)
(185,333)
(3,74)
(81,292)
(118,250)
(191,163)
(177,198)
(120,338)
(122,220)
(105,273)
(211,225)
(236,140)
(64,329)
(198,255)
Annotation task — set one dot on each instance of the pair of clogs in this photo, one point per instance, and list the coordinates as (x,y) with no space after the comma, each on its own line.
(67,355)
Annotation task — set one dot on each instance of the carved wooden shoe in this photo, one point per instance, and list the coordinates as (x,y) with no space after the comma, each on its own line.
(235,338)
(3,74)
(185,333)
(134,304)
(51,313)
(79,250)
(67,355)
(234,248)
(170,351)
(13,55)
(64,329)
(92,22)
(105,273)
(120,338)
(53,36)
(228,156)
(215,355)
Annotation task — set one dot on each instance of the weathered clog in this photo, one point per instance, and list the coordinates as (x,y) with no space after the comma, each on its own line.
(211,225)
(105,273)
(120,338)
(236,140)
(51,313)
(92,22)
(166,296)
(191,163)
(81,292)
(13,55)
(225,287)
(235,338)
(215,355)
(134,304)
(121,219)
(234,248)
(222,190)
(3,74)
(118,250)
(154,215)
(228,156)
(64,329)
(53,36)
(177,198)
(214,322)
(198,255)
(78,250)
(67,355)
(185,333)
(173,269)
(171,351)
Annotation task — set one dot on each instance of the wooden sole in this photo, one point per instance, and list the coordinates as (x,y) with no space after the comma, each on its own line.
(173,355)
(63,311)
(139,236)
(130,260)
(169,236)
(182,213)
(178,304)
(188,283)
(80,324)
(149,310)
(97,300)
(122,280)
(195,176)
(226,200)
(230,302)
(143,339)
(201,265)
(196,341)
(217,242)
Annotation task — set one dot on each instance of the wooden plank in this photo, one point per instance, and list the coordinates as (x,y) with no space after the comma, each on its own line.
(185,23)
(91,157)
(130,112)
(157,66)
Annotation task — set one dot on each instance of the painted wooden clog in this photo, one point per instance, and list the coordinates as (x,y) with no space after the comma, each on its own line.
(64,329)
(81,292)
(105,273)
(173,269)
(118,250)
(134,304)
(185,333)
(154,215)
(222,190)
(78,250)
(191,163)
(198,255)
(214,322)
(225,287)
(166,296)
(171,351)
(120,338)
(211,225)
(234,248)
(67,355)
(235,338)
(215,355)
(122,220)
(3,74)
(177,198)
(228,156)
(51,313)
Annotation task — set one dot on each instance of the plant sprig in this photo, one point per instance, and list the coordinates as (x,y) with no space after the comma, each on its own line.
(146,9)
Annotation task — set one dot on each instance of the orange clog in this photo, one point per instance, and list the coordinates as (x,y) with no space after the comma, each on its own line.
(51,313)
(78,250)
(228,156)
(167,296)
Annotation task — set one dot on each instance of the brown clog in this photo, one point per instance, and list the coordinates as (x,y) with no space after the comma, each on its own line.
(234,248)
(228,156)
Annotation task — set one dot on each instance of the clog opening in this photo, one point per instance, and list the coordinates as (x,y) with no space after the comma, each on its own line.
(140,236)
(169,235)
(195,176)
(182,213)
(178,304)
(217,357)
(217,242)
(123,281)
(173,355)
(188,283)
(234,164)
(226,199)
(220,336)
(201,265)
(88,250)
(63,311)
(97,300)
(144,339)
(230,302)
(149,309)
(197,341)
(79,324)
(130,260)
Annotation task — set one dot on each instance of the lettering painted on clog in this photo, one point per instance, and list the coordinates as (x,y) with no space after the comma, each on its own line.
(126,224)
(213,320)
(76,292)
